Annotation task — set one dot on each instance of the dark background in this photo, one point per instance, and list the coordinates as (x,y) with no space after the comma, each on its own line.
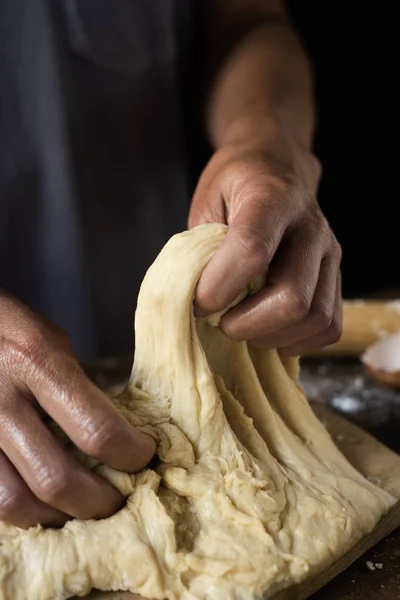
(354,53)
(355,57)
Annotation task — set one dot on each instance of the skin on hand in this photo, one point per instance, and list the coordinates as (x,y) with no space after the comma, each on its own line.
(40,481)
(275,227)
(259,116)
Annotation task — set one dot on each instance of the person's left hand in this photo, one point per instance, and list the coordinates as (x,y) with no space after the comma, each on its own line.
(276,226)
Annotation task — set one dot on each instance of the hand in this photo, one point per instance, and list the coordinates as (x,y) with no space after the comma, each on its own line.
(40,481)
(275,227)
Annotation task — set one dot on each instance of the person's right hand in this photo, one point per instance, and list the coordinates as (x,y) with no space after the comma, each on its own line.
(40,481)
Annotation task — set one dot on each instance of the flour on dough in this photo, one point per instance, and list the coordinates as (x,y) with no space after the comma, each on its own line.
(250,495)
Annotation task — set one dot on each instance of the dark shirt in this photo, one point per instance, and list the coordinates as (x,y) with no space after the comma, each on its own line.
(93,168)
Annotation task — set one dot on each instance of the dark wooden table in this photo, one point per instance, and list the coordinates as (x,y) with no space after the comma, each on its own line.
(347,389)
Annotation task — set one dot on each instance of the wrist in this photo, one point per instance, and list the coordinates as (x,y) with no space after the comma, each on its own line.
(270,138)
(254,125)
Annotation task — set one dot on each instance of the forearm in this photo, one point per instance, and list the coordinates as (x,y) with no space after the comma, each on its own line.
(260,83)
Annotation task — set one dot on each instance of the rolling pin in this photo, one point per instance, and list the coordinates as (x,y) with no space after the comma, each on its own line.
(364,322)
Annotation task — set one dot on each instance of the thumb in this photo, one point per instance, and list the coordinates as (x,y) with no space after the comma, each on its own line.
(253,237)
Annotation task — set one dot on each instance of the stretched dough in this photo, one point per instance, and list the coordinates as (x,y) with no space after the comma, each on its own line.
(249,494)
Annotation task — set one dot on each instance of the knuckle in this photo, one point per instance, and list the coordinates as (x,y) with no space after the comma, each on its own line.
(44,361)
(337,250)
(316,223)
(63,339)
(32,348)
(52,485)
(26,348)
(255,248)
(321,316)
(335,331)
(98,440)
(320,225)
(315,168)
(30,355)
(65,375)
(297,305)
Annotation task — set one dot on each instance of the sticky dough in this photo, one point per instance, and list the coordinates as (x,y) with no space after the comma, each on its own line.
(249,494)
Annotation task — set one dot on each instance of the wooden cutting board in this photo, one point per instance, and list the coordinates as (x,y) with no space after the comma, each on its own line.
(373,460)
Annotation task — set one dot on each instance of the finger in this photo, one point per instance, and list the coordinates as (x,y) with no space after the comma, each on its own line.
(251,242)
(319,316)
(49,470)
(286,299)
(325,338)
(18,505)
(86,415)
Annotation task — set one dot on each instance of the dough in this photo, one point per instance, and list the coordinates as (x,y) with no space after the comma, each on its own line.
(249,493)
